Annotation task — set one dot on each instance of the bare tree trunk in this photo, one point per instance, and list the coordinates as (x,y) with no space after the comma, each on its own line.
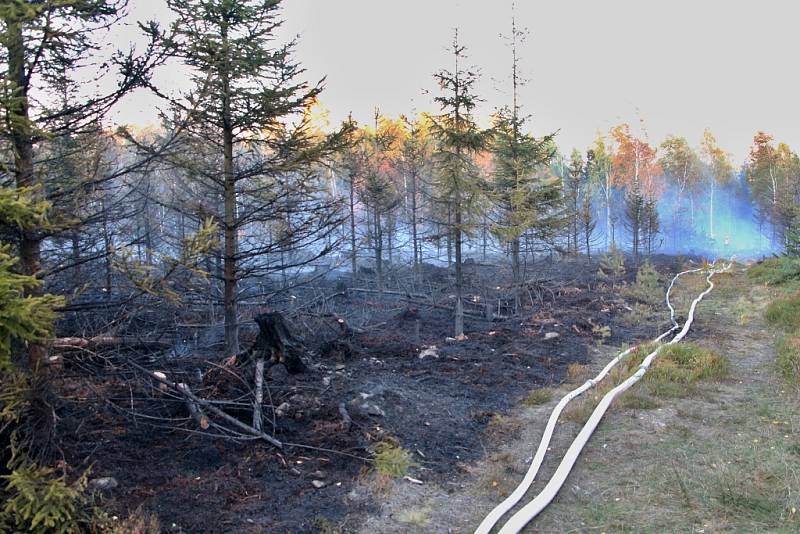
(515,261)
(229,198)
(259,394)
(107,249)
(609,227)
(485,225)
(459,317)
(711,212)
(76,254)
(378,243)
(353,261)
(414,239)
(449,235)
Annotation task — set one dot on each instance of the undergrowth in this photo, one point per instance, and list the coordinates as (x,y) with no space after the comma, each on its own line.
(391,460)
(672,374)
(538,396)
(776,271)
(788,348)
(784,313)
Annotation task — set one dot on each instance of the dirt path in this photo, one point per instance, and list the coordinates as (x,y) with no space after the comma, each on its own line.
(722,458)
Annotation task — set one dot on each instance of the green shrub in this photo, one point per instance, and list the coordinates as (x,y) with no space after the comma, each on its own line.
(612,265)
(39,502)
(784,313)
(647,287)
(391,460)
(34,499)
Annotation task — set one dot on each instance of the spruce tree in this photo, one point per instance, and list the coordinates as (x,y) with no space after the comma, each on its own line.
(458,138)
(250,107)
(573,190)
(42,45)
(525,199)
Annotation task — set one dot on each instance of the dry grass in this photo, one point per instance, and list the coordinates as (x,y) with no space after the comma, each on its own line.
(538,396)
(576,371)
(673,372)
(726,462)
(417,517)
(138,522)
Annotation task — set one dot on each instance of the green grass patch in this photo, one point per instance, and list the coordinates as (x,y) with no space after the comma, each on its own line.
(788,348)
(538,396)
(678,367)
(775,271)
(636,400)
(784,313)
(391,461)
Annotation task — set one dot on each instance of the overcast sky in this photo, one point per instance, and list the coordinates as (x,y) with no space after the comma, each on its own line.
(676,66)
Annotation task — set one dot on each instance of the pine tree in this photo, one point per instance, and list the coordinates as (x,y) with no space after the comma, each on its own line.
(458,139)
(249,106)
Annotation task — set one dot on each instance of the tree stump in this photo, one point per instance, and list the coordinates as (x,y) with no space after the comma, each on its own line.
(276,344)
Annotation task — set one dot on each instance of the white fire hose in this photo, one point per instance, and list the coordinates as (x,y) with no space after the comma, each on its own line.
(533,508)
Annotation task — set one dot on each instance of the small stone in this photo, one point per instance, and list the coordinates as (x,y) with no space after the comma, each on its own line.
(326,381)
(429,351)
(282,410)
(374,409)
(319,484)
(104,483)
(339,367)
(295,471)
(551,335)
(319,474)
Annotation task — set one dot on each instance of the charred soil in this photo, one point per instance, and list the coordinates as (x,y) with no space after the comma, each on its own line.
(383,356)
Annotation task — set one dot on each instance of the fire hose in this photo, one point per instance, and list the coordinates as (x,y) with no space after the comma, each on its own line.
(534,507)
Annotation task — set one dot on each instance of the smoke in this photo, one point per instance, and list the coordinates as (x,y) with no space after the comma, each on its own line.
(714,221)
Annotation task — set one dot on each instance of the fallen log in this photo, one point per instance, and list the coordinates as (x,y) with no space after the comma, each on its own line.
(108,342)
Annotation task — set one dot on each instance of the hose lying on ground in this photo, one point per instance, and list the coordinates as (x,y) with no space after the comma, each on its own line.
(521,518)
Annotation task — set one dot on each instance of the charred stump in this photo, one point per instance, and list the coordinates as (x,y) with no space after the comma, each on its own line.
(276,343)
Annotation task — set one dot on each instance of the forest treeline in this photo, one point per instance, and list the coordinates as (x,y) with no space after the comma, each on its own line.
(244,188)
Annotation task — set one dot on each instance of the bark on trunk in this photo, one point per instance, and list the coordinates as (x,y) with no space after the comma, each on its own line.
(22,141)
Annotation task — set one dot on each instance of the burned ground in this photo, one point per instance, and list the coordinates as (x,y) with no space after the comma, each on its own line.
(384,356)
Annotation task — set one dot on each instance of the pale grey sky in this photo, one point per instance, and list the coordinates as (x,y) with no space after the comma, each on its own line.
(680,66)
